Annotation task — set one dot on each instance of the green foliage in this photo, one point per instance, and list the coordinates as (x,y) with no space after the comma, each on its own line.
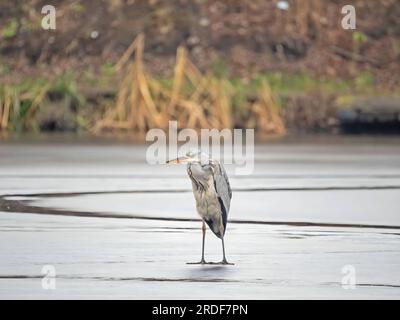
(360,37)
(77,7)
(10,30)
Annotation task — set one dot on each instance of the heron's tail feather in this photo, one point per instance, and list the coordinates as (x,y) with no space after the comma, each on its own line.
(215,227)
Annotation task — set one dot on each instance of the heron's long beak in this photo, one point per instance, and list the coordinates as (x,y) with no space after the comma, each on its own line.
(184,159)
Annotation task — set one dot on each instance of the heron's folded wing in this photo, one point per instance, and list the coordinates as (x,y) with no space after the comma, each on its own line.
(222,186)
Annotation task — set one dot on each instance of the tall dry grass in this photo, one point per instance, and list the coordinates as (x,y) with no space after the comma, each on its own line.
(18,108)
(194,99)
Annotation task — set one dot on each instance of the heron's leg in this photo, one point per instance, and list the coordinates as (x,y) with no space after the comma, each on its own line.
(202,261)
(203,227)
(224,261)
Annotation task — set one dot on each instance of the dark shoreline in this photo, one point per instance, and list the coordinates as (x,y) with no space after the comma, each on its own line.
(292,138)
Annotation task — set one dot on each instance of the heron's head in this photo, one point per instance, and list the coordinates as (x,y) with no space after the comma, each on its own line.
(200,165)
(197,157)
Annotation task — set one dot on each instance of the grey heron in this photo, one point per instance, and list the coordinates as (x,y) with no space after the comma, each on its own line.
(212,193)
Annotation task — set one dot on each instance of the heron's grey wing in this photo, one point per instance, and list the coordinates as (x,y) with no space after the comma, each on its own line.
(223,188)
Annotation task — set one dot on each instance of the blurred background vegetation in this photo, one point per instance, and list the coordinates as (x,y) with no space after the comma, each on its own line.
(130,65)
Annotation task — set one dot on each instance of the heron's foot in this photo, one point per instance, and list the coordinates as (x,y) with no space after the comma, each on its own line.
(226,262)
(202,261)
(223,262)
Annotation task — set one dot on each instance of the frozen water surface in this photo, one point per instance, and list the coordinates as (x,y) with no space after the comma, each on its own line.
(114,227)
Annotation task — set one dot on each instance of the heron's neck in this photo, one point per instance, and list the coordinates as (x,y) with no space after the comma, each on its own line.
(200,179)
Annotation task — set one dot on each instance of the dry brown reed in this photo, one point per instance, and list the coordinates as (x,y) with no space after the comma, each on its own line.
(11,113)
(194,99)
